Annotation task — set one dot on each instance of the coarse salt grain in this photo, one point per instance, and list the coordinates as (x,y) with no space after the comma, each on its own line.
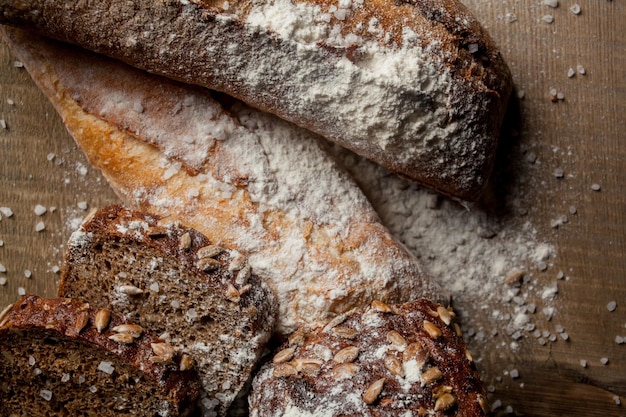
(575,8)
(93,389)
(611,306)
(571,72)
(6,211)
(548,18)
(595,187)
(40,227)
(583,363)
(106,367)
(21,291)
(65,378)
(40,210)
(45,394)
(580,69)
(2,268)
(3,123)
(551,3)
(28,273)
(604,361)
(31,360)
(82,205)
(3,281)
(18,64)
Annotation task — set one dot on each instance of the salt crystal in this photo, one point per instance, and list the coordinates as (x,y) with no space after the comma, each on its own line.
(65,378)
(82,205)
(40,210)
(509,409)
(45,394)
(106,367)
(40,226)
(548,18)
(573,210)
(571,72)
(558,173)
(1,243)
(611,306)
(564,336)
(604,361)
(551,3)
(154,287)
(575,9)
(175,303)
(559,328)
(50,156)
(3,123)
(21,291)
(560,96)
(595,187)
(6,211)
(56,269)
(496,404)
(31,360)
(514,373)
(619,340)
(138,107)
(583,363)
(510,17)
(10,102)
(580,69)
(521,94)
(3,281)
(93,389)
(617,400)
(3,268)
(28,273)
(18,64)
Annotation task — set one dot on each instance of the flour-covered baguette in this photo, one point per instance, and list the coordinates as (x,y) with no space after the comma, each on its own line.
(417,86)
(250,180)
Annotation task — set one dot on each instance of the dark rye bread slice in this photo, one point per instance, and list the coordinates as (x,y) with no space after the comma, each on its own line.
(54,361)
(390,360)
(196,294)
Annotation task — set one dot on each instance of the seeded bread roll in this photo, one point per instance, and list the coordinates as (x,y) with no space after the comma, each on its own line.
(248,179)
(196,294)
(63,357)
(417,86)
(389,360)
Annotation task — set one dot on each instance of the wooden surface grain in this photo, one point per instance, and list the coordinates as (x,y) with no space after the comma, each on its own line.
(583,135)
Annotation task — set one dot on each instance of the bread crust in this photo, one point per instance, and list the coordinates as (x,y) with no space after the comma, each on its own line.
(266,189)
(63,318)
(416,86)
(198,295)
(413,353)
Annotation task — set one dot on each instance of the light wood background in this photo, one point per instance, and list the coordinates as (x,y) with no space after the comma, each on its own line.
(584,135)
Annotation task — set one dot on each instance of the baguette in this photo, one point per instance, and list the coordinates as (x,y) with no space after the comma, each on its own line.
(200,297)
(255,183)
(384,361)
(63,357)
(416,86)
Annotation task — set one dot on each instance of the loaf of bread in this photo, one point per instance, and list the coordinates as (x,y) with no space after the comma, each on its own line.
(417,86)
(197,295)
(385,361)
(63,357)
(246,179)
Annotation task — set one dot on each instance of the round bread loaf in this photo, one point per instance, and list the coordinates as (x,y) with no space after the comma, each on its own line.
(390,360)
(63,357)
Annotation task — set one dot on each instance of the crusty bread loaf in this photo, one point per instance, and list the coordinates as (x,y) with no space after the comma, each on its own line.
(249,180)
(63,357)
(197,295)
(417,86)
(389,360)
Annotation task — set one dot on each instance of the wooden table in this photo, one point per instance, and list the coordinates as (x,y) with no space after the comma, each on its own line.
(583,135)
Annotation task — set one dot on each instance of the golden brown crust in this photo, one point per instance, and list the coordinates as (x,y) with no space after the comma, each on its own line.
(69,319)
(390,360)
(309,232)
(439,124)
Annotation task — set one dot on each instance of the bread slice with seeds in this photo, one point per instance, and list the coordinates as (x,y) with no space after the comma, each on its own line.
(196,294)
(389,360)
(64,357)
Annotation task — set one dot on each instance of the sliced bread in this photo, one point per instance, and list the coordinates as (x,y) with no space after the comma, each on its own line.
(198,295)
(63,357)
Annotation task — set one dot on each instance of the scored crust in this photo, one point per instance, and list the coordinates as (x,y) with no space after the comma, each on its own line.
(264,187)
(388,360)
(416,86)
(67,357)
(198,295)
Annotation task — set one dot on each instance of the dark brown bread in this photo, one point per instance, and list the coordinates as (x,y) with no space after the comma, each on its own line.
(196,294)
(417,86)
(55,362)
(390,360)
